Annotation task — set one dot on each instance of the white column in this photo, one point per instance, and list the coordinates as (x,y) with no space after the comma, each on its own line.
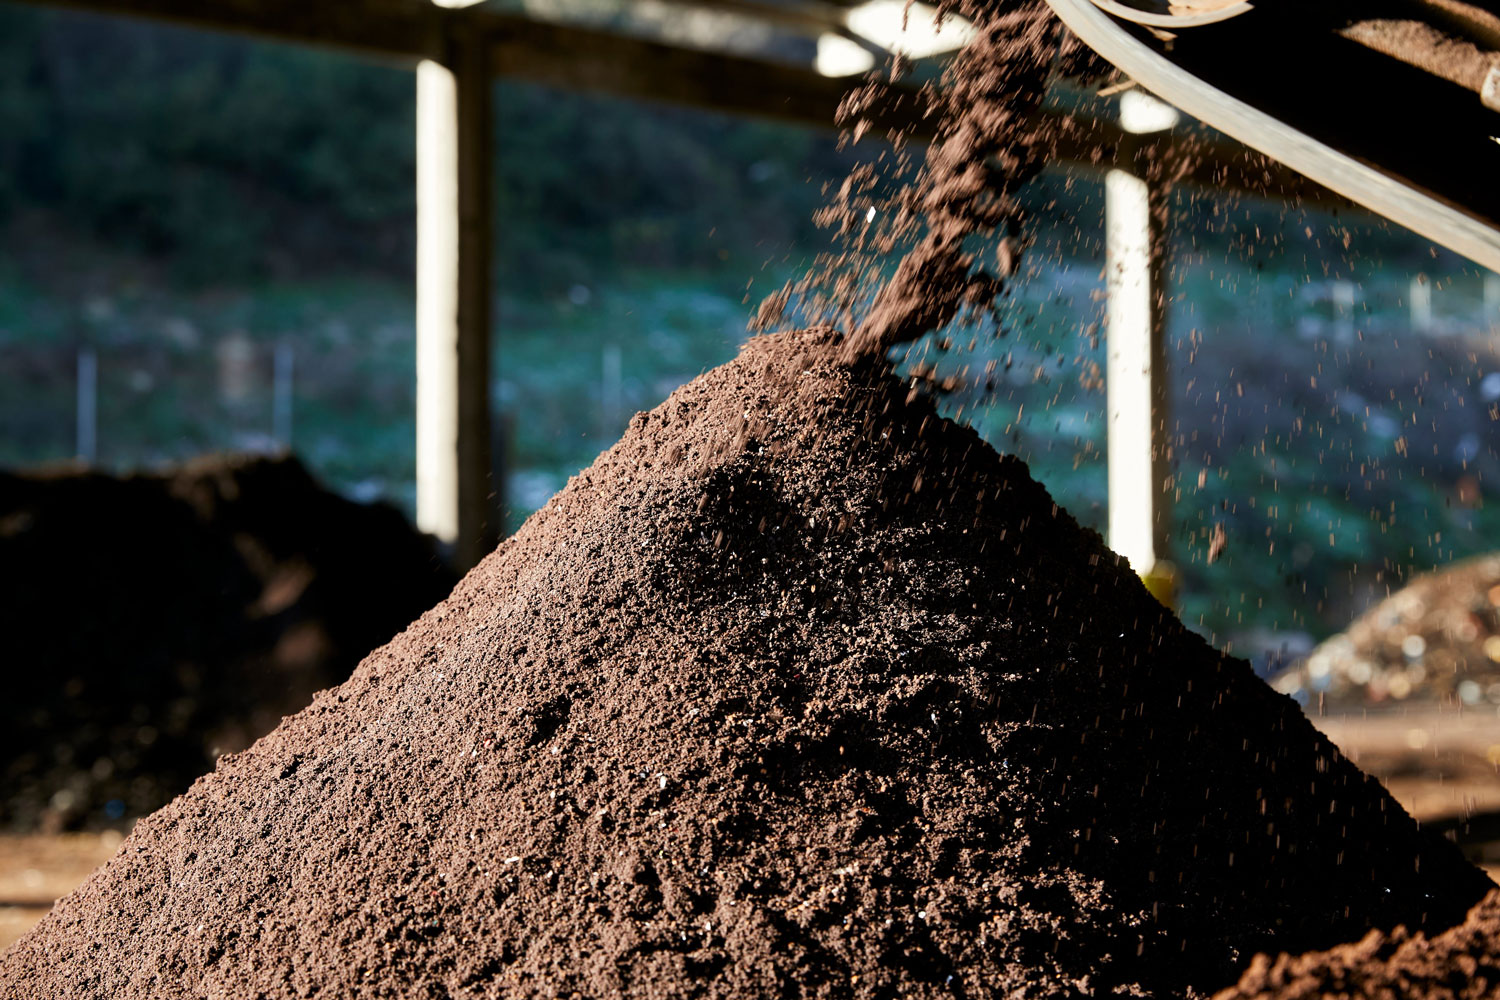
(437,301)
(1128,369)
(1135,370)
(454,499)
(87,428)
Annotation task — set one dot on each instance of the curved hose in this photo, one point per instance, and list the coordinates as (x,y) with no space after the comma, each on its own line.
(1220,12)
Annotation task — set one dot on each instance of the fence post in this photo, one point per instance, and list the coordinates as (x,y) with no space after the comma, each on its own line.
(1343,310)
(1420,297)
(611,397)
(86,438)
(281,395)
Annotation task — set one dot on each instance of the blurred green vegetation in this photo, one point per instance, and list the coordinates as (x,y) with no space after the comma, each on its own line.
(203,150)
(182,203)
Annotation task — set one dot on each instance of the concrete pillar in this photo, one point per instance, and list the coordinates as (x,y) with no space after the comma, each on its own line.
(455,499)
(1140,477)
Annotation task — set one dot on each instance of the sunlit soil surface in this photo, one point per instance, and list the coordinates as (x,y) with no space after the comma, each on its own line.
(1442,766)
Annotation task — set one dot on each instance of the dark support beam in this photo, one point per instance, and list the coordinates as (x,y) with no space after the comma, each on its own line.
(601,61)
(540,51)
(591,59)
(479,507)
(401,28)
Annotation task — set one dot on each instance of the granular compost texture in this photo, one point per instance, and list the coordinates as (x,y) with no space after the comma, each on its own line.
(1461,964)
(799,690)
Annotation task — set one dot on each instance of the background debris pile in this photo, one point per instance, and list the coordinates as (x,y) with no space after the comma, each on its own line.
(1434,641)
(155,621)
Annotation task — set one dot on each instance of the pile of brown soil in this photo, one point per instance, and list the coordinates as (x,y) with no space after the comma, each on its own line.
(1435,641)
(1462,964)
(799,690)
(154,621)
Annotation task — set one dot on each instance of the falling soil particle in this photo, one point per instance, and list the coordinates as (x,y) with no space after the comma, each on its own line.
(1462,964)
(953,225)
(743,713)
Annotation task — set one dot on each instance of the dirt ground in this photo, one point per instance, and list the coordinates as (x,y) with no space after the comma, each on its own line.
(1442,766)
(36,870)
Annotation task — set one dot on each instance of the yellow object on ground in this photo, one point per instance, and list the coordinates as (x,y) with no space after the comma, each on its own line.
(1161,581)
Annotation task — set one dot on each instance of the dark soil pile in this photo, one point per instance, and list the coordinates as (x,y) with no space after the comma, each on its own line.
(799,690)
(152,622)
(1462,964)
